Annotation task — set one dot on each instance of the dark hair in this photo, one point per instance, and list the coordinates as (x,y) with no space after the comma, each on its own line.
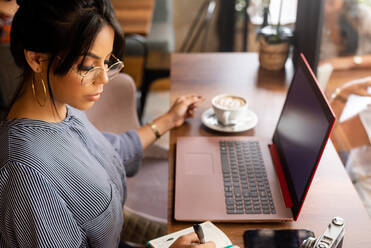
(61,28)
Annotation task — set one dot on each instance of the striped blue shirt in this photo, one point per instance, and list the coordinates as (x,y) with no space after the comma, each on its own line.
(63,184)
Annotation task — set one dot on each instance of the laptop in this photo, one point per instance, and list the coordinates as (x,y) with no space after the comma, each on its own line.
(247,178)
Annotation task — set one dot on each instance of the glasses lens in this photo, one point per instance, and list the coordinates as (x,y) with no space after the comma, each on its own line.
(114,69)
(91,75)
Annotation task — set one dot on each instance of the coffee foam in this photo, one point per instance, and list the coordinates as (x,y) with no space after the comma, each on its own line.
(229,102)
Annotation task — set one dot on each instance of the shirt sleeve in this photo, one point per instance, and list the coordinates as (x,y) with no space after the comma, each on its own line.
(129,147)
(32,212)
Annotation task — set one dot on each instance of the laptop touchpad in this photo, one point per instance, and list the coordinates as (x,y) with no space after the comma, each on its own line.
(198,164)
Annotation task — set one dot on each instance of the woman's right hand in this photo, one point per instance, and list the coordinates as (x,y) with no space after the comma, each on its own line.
(191,241)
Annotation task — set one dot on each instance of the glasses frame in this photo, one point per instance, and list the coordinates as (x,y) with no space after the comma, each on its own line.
(83,75)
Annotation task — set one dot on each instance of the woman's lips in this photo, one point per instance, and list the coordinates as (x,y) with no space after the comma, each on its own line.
(94,97)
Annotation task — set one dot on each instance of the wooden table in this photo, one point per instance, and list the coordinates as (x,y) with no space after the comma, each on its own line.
(135,16)
(331,194)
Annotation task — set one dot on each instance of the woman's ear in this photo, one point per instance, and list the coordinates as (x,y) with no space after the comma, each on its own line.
(35,60)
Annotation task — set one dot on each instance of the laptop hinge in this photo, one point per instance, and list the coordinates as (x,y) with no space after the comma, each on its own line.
(281,176)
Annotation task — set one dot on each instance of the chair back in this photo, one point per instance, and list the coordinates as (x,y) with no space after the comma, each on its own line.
(116,111)
(200,24)
(344,136)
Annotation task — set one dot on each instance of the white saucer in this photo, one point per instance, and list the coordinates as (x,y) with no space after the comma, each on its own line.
(208,118)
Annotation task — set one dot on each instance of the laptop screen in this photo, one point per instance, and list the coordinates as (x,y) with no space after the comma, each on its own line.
(301,133)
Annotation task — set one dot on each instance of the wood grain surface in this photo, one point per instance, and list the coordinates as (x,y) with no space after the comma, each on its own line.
(135,16)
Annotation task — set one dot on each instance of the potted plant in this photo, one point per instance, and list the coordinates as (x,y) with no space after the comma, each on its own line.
(274,42)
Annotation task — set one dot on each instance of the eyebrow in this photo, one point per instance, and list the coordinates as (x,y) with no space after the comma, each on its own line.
(93,55)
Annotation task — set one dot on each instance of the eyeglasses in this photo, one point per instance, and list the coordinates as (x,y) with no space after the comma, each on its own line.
(112,67)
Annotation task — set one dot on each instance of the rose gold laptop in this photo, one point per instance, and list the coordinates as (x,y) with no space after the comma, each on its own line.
(239,179)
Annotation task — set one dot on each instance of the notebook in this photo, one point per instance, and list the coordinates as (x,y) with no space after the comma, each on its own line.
(247,178)
(211,233)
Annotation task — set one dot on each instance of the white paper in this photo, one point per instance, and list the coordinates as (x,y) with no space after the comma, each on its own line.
(369,90)
(354,105)
(211,232)
(365,117)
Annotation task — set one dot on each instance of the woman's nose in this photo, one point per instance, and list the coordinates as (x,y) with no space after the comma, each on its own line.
(102,77)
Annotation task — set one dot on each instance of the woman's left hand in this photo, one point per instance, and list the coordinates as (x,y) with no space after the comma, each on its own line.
(183,108)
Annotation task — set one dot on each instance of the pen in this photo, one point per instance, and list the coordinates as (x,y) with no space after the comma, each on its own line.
(199,232)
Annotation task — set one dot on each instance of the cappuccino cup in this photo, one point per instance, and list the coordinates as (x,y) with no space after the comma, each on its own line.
(229,109)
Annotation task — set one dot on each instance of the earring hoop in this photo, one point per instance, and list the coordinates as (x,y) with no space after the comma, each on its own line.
(34,91)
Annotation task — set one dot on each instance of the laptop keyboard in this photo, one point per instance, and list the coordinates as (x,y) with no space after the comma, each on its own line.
(246,184)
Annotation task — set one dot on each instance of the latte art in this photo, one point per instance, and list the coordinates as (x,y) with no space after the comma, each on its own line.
(230,102)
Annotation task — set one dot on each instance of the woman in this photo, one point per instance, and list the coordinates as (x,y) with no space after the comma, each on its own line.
(62,181)
(346,32)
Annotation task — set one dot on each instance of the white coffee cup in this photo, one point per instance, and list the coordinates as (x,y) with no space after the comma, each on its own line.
(229,109)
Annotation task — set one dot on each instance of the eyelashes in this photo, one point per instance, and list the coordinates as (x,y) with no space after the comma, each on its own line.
(85,68)
(81,67)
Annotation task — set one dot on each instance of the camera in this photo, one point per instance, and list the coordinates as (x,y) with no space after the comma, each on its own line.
(331,238)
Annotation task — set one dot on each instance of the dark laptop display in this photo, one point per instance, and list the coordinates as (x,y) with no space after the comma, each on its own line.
(301,133)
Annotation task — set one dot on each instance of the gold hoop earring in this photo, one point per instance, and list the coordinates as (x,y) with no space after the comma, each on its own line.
(34,91)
